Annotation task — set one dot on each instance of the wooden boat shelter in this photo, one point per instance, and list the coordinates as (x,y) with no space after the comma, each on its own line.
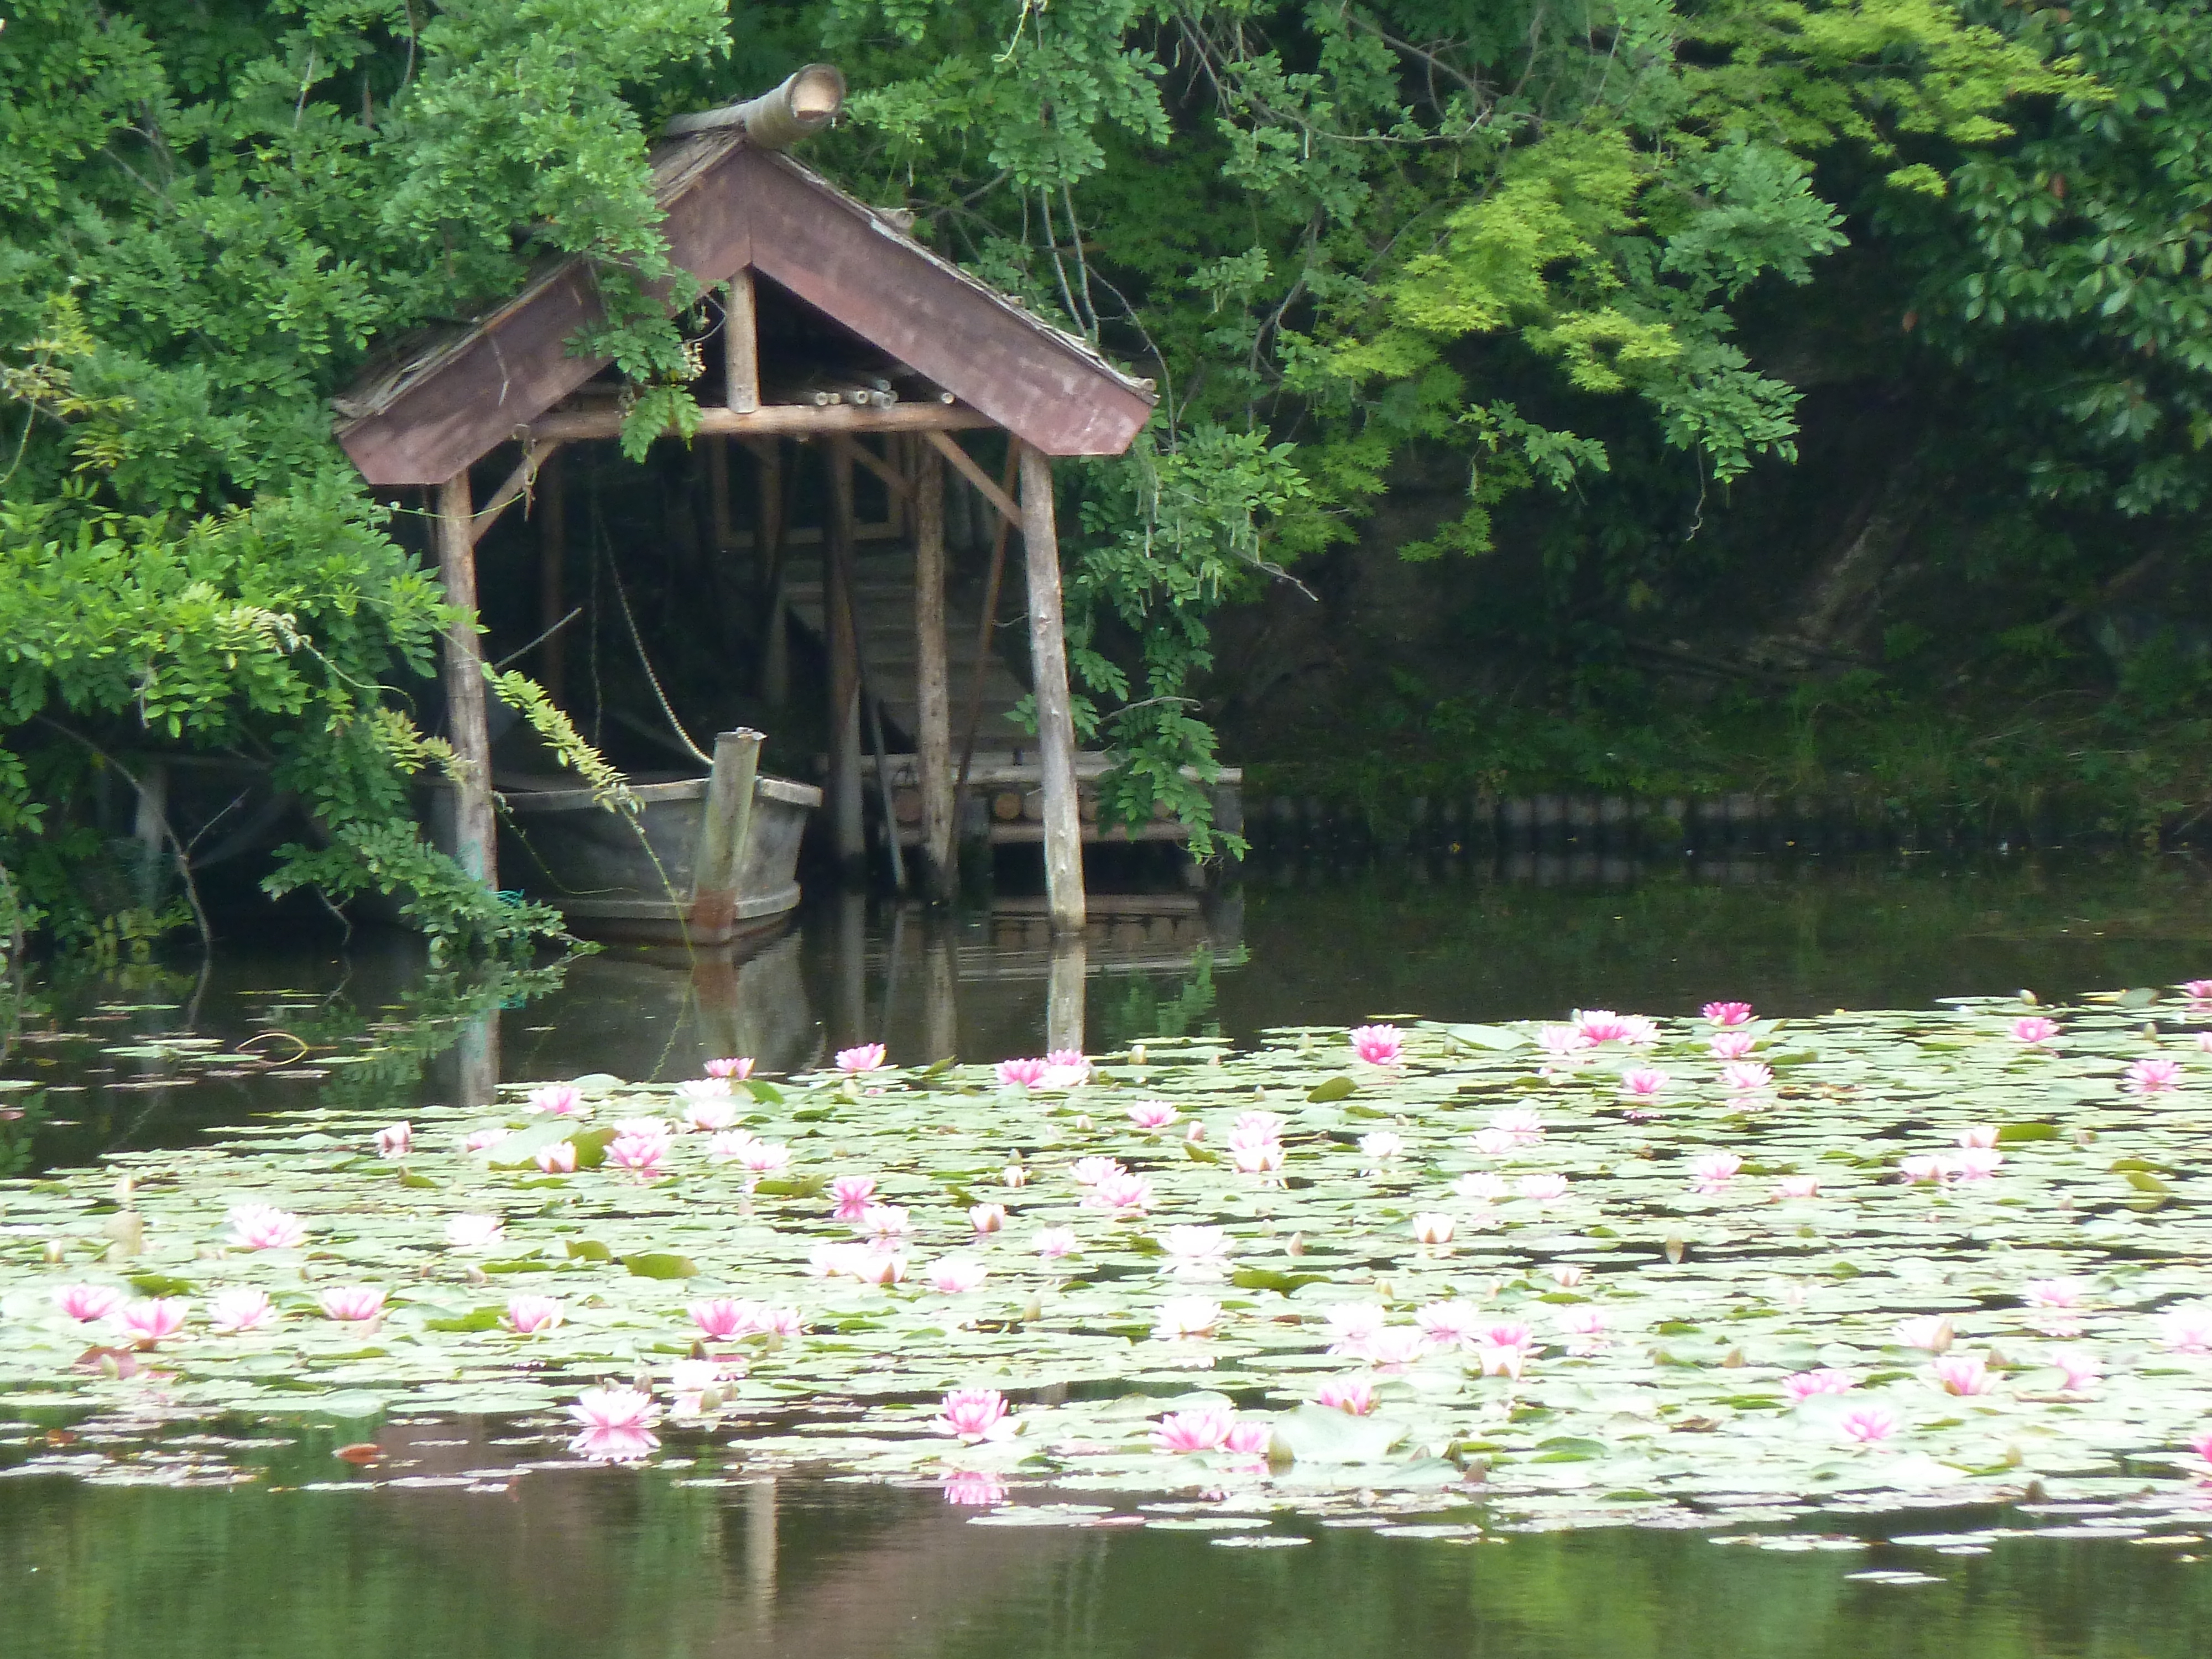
(748,221)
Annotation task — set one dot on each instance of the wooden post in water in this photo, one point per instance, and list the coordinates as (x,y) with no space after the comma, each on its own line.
(553,577)
(719,863)
(849,830)
(465,684)
(940,993)
(1063,996)
(933,674)
(1063,829)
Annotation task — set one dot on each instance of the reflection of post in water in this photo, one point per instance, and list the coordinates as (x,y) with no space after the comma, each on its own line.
(759,1547)
(940,995)
(849,1011)
(476,1057)
(714,999)
(1063,1008)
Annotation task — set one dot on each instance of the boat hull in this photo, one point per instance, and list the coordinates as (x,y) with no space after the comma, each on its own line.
(616,877)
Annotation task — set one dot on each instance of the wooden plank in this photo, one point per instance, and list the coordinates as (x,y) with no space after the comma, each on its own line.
(848,832)
(964,464)
(1028,377)
(518,483)
(465,684)
(932,676)
(772,420)
(724,830)
(740,346)
(1063,827)
(900,488)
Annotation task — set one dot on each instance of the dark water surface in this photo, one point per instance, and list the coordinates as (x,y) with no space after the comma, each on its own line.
(445,1548)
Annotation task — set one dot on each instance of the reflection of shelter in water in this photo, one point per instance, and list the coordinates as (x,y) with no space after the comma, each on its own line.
(662,1013)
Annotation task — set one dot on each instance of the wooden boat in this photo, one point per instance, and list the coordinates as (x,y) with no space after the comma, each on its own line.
(704,861)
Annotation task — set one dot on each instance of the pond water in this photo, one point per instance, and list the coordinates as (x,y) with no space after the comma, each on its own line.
(446,1541)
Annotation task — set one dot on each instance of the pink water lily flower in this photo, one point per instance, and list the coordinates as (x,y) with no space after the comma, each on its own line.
(396,1141)
(1395,1346)
(1482,1187)
(1494,1361)
(885,1222)
(1066,1068)
(1379,1045)
(1491,1143)
(1603,1025)
(2197,990)
(1807,1385)
(1745,1077)
(352,1304)
(722,1318)
(559,1158)
(955,1275)
(1016,1175)
(2054,1292)
(1542,1188)
(1561,1041)
(1352,1395)
(2153,1076)
(1153,1114)
(1977,1135)
(709,1112)
(1450,1324)
(526,1315)
(1353,1328)
(1021,1073)
(156,1319)
(1976,1163)
(2034,1031)
(1090,1171)
(764,1157)
(1731,1045)
(239,1309)
(483,1140)
(1797,1186)
(556,1100)
(1925,1170)
(865,1057)
(474,1232)
(1644,1083)
(1726,1013)
(879,1267)
(2187,1329)
(2080,1368)
(1963,1374)
(1432,1227)
(736,1068)
(1585,1329)
(264,1227)
(1567,1274)
(2202,1445)
(1381,1145)
(1522,1124)
(1184,1316)
(987,1218)
(1713,1171)
(851,1194)
(1124,1194)
(1870,1425)
(1053,1243)
(1266,1126)
(613,1445)
(1203,1431)
(1933,1332)
(1255,1157)
(1196,1253)
(89,1303)
(641,1155)
(973,1414)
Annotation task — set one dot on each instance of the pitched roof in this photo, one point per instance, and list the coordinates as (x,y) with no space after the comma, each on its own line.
(444,399)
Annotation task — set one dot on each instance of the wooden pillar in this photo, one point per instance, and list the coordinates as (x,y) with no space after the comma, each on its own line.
(465,684)
(1063,1006)
(553,577)
(848,831)
(771,551)
(933,674)
(1063,828)
(740,346)
(718,859)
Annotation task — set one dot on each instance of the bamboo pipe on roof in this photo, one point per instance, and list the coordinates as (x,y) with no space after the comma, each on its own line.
(800,108)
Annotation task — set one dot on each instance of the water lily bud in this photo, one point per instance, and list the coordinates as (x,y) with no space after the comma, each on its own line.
(1296,1245)
(56,1251)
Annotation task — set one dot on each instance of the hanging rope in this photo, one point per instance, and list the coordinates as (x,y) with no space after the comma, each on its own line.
(653,679)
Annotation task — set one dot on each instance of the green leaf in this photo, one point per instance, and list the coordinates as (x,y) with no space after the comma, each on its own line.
(1331,1088)
(661,1264)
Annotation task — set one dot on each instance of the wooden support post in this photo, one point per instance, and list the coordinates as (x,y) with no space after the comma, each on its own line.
(771,549)
(1063,1004)
(552,580)
(740,347)
(848,831)
(719,863)
(1063,829)
(465,684)
(933,674)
